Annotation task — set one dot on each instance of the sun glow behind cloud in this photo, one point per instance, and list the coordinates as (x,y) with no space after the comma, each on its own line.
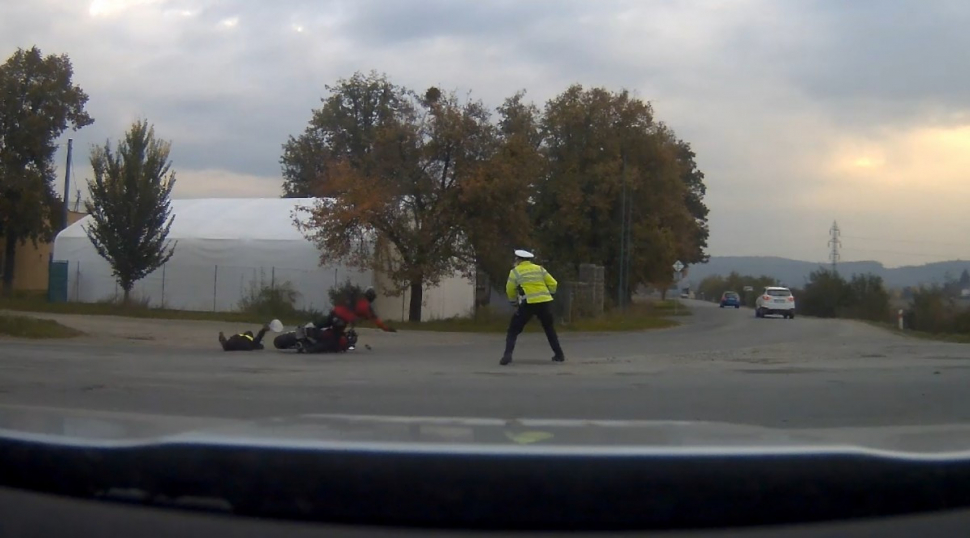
(923,158)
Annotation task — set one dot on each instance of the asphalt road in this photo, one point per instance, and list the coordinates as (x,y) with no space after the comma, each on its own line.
(721,365)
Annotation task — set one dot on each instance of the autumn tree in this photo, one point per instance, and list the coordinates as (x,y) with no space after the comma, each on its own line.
(38,102)
(608,160)
(694,192)
(346,129)
(496,199)
(131,205)
(433,177)
(400,174)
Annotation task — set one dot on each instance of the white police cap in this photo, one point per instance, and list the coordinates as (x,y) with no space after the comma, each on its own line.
(524,254)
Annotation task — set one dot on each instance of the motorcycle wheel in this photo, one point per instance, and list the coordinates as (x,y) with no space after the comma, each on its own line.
(285,341)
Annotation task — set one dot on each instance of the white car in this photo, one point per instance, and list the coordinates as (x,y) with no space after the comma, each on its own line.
(775,301)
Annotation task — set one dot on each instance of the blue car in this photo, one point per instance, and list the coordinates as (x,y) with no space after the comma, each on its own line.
(731,298)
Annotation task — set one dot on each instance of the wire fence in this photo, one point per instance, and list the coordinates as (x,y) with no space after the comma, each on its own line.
(217,288)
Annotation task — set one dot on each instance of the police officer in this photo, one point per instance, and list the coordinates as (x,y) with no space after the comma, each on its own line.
(531,287)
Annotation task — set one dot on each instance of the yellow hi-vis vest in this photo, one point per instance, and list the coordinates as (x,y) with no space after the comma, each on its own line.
(537,284)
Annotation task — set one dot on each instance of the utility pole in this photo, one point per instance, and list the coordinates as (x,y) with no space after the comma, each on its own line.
(835,243)
(67,181)
(621,266)
(629,233)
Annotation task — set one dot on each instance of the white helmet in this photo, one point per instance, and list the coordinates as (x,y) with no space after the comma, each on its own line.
(524,254)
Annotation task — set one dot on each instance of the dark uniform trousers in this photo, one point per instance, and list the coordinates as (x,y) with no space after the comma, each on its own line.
(543,311)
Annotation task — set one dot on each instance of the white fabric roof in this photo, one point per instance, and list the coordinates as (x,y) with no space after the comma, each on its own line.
(245,219)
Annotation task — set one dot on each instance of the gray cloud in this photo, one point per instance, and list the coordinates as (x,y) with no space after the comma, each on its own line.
(382,23)
(764,90)
(883,62)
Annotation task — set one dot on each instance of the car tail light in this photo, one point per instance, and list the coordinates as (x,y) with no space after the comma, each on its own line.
(767,297)
(791,299)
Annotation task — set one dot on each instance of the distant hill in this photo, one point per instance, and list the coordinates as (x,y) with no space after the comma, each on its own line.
(795,272)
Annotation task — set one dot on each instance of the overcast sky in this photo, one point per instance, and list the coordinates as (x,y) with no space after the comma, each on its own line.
(801,112)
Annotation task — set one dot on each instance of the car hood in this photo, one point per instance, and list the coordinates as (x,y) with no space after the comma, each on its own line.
(454,434)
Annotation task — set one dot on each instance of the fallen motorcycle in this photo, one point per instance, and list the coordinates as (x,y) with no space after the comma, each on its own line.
(300,339)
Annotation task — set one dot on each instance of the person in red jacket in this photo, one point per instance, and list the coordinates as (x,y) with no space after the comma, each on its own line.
(342,315)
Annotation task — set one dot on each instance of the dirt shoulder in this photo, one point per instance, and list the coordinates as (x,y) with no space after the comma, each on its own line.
(196,334)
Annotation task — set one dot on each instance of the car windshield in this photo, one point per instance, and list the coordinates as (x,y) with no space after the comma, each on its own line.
(746,215)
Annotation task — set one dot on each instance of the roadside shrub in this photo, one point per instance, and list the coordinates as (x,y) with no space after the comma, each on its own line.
(345,293)
(933,312)
(273,301)
(134,302)
(828,295)
(961,322)
(868,298)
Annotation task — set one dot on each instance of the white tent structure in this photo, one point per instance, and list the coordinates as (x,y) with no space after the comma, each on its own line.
(228,248)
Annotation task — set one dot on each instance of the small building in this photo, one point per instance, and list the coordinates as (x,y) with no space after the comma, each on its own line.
(31,262)
(227,249)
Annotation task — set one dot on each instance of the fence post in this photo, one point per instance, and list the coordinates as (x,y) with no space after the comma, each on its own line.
(272,279)
(215,287)
(901,319)
(163,286)
(569,302)
(77,283)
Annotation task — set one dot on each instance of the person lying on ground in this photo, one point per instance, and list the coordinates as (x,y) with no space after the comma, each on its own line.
(244,341)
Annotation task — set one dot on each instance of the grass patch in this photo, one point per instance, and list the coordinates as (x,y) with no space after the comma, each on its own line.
(639,317)
(670,307)
(27,327)
(955,338)
(38,303)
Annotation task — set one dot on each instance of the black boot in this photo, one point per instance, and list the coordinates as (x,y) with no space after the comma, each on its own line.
(505,360)
(559,358)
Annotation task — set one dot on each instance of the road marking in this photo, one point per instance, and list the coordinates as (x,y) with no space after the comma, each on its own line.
(528,438)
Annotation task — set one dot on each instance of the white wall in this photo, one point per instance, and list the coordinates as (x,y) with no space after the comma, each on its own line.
(453,297)
(192,280)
